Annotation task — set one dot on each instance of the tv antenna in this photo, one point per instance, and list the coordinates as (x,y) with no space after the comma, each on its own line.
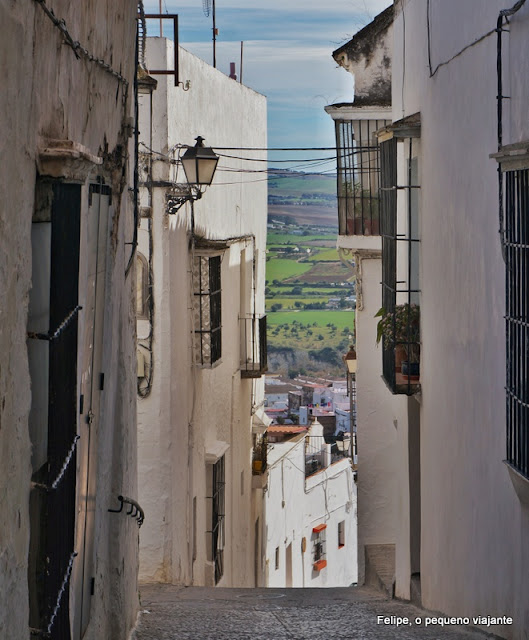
(208,7)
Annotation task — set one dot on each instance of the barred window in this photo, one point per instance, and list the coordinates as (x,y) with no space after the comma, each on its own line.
(319,547)
(358,176)
(517,317)
(399,317)
(218,484)
(207,309)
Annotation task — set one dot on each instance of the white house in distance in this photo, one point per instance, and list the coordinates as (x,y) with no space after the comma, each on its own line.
(454,170)
(310,511)
(201,329)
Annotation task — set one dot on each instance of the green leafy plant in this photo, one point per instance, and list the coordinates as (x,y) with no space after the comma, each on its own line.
(401,327)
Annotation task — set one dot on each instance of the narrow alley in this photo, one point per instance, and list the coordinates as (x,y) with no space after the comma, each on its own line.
(180,613)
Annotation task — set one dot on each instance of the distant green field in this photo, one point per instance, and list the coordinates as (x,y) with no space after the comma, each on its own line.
(296,330)
(328,255)
(299,184)
(340,319)
(280,268)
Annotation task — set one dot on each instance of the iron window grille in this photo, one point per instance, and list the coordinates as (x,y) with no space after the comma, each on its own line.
(400,310)
(207,309)
(517,317)
(319,547)
(358,170)
(217,531)
(253,346)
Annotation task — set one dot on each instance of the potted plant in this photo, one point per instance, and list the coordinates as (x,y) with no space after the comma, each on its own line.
(401,330)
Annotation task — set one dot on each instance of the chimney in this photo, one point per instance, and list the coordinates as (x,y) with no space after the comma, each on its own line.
(233,75)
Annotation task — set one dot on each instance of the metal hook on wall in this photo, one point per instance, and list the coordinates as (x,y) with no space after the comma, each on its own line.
(134,510)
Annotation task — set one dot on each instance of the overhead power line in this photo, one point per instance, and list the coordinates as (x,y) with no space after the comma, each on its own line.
(275,148)
(224,155)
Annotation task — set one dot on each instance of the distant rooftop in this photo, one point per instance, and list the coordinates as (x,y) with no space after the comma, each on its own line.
(286,430)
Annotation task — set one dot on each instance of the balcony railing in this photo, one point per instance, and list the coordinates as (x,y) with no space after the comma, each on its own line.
(259,456)
(399,323)
(358,177)
(254,361)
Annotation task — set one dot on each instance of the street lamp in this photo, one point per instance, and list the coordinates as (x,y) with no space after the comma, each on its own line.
(199,164)
(350,360)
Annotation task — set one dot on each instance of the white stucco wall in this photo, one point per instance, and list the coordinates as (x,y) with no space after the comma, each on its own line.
(378,417)
(190,409)
(294,505)
(48,93)
(472,561)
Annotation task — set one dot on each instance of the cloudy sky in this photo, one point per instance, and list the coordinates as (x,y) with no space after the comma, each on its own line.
(287,55)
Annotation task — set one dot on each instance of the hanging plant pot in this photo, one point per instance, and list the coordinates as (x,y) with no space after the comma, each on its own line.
(411,369)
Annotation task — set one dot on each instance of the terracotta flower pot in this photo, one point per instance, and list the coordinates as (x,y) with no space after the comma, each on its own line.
(400,355)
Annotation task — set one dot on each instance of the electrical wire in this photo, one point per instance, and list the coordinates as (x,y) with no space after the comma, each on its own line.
(224,155)
(300,161)
(504,14)
(275,148)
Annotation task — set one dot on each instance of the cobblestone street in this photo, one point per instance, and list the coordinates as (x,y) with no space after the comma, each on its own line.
(179,613)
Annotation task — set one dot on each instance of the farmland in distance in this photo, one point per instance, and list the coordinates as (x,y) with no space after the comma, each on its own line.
(310,295)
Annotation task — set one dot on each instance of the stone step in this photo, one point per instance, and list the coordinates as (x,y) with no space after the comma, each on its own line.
(415,589)
(380,567)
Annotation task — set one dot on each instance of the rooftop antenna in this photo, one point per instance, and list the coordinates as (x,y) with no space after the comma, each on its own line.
(208,7)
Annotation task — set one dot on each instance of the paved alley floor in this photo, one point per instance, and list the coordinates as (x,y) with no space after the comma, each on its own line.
(196,613)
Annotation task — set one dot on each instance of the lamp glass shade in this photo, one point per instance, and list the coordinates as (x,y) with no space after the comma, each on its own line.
(351,366)
(199,164)
(350,360)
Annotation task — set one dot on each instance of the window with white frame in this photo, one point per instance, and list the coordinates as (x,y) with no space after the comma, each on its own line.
(207,309)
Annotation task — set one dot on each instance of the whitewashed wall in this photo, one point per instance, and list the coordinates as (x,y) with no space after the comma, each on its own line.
(474,555)
(48,93)
(190,409)
(378,416)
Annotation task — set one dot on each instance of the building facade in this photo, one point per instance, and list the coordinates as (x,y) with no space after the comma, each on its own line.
(453,299)
(68,421)
(310,511)
(200,323)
